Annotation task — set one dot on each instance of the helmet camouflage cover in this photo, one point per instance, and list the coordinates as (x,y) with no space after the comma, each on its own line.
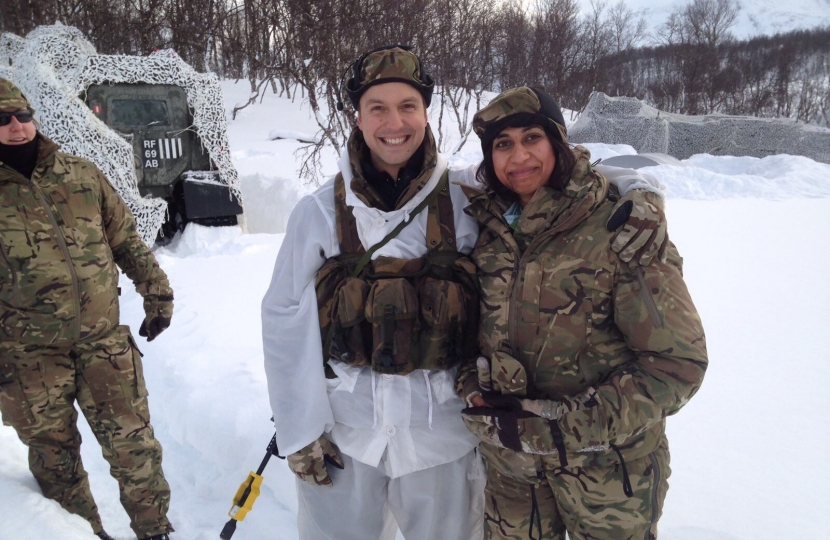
(11,98)
(388,64)
(523,104)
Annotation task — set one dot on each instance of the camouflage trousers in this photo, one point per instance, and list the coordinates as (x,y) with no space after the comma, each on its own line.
(531,497)
(38,389)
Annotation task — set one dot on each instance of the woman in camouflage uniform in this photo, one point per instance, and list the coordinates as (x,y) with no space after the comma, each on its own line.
(584,354)
(63,230)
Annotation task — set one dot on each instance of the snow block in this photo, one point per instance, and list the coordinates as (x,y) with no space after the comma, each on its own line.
(625,120)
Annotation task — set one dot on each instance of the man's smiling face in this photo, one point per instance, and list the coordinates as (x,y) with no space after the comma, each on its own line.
(393,120)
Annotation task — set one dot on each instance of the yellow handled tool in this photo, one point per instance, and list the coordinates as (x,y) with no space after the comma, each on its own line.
(248,491)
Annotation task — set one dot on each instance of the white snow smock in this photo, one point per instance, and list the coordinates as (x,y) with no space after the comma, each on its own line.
(404,422)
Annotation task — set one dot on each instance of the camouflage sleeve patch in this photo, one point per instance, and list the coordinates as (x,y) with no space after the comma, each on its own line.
(130,252)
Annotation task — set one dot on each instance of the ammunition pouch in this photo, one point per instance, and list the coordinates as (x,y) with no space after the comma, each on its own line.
(398,315)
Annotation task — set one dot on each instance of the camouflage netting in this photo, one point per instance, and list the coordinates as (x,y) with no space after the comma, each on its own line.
(624,120)
(54,65)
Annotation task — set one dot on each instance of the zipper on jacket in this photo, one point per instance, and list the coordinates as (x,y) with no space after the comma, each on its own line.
(655,487)
(511,309)
(66,255)
(512,314)
(15,284)
(656,320)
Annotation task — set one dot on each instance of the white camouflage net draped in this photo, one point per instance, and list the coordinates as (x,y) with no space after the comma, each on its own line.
(54,65)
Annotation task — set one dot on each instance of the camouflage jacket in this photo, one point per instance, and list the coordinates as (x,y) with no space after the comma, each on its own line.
(617,347)
(60,234)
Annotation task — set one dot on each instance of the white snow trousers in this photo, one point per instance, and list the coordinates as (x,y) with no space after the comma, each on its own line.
(443,502)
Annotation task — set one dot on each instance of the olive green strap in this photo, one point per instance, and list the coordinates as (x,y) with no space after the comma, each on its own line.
(417,210)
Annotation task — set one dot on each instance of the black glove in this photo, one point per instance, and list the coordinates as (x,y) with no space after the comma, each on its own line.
(507,424)
(159,312)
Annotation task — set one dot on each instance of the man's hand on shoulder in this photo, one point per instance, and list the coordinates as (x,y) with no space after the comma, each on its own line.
(640,222)
(309,463)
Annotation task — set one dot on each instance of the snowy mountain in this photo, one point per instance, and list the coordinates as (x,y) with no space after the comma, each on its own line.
(756,17)
(748,452)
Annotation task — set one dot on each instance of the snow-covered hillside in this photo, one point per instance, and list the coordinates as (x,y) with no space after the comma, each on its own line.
(756,17)
(747,452)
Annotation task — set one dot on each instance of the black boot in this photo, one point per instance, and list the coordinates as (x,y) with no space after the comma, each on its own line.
(104,536)
(163,536)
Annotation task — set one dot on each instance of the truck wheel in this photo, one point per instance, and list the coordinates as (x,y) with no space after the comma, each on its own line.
(174,223)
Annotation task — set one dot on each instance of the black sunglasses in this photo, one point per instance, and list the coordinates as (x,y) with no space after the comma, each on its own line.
(24,117)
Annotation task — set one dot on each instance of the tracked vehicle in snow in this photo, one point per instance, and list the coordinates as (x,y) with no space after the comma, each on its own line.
(170,160)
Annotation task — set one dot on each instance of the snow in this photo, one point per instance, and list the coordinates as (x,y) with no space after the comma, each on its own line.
(288,134)
(724,177)
(747,452)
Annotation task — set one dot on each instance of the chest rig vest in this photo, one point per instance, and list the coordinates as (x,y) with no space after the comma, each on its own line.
(398,315)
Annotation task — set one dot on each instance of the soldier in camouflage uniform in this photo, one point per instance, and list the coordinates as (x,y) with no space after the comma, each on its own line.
(584,353)
(63,230)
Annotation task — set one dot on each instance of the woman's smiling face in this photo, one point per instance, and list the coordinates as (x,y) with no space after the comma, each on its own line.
(15,132)
(523,159)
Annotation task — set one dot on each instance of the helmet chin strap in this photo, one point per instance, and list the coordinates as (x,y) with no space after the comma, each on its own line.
(340,89)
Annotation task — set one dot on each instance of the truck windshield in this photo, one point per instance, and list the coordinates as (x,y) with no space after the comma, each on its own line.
(138,112)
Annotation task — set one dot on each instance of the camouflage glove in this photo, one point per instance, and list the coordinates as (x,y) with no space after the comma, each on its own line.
(158,310)
(309,462)
(640,223)
(466,385)
(506,424)
(473,379)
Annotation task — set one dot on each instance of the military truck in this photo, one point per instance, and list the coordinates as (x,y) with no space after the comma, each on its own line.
(170,160)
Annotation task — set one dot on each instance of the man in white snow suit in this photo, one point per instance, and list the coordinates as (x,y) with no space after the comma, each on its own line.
(372,305)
